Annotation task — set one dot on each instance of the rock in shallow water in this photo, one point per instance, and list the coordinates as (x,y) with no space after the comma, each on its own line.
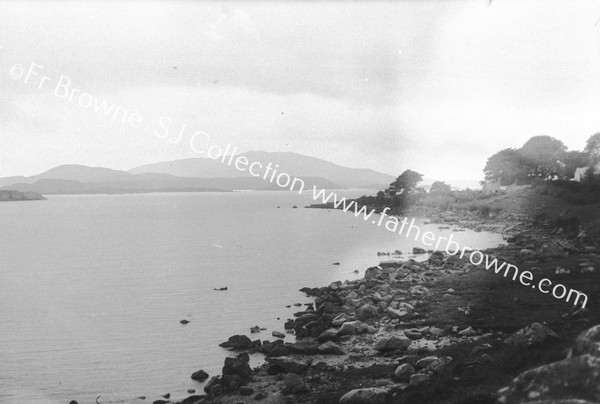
(200,375)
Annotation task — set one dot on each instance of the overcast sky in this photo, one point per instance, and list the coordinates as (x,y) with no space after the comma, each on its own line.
(435,86)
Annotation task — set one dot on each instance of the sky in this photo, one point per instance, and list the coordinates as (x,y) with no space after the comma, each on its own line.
(434,86)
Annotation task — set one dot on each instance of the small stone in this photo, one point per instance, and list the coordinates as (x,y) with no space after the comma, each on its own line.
(278,334)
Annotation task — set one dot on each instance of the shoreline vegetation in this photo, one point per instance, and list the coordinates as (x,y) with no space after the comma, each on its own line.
(443,330)
(14,196)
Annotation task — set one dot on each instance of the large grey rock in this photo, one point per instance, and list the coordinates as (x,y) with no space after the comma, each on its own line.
(577,377)
(589,341)
(365,396)
(533,334)
(348,328)
(392,344)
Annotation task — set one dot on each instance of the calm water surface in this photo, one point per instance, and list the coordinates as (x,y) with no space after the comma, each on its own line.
(94,286)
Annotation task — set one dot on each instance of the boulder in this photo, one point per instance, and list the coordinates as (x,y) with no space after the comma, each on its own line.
(533,334)
(200,375)
(372,273)
(238,366)
(237,342)
(589,342)
(577,377)
(348,328)
(364,328)
(328,335)
(392,344)
(366,311)
(371,395)
(417,250)
(404,371)
(192,399)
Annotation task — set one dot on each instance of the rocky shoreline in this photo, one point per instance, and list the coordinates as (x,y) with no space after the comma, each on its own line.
(436,331)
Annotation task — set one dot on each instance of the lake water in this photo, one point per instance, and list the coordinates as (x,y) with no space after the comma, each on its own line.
(93,287)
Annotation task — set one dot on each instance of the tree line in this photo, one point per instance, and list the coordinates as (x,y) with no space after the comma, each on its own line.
(542,157)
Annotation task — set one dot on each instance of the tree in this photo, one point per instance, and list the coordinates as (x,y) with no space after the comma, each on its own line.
(572,161)
(544,156)
(506,167)
(406,182)
(440,187)
(592,148)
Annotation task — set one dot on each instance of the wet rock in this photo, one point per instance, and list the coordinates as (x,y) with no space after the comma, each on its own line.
(288,365)
(417,250)
(365,396)
(404,371)
(278,334)
(392,344)
(330,348)
(533,334)
(255,329)
(372,273)
(289,325)
(192,399)
(238,366)
(237,342)
(577,377)
(200,375)
(589,342)
(184,322)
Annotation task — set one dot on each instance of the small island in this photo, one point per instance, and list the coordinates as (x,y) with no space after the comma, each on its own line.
(11,196)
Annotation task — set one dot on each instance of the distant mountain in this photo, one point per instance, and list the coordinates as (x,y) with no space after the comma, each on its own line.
(78,179)
(293,164)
